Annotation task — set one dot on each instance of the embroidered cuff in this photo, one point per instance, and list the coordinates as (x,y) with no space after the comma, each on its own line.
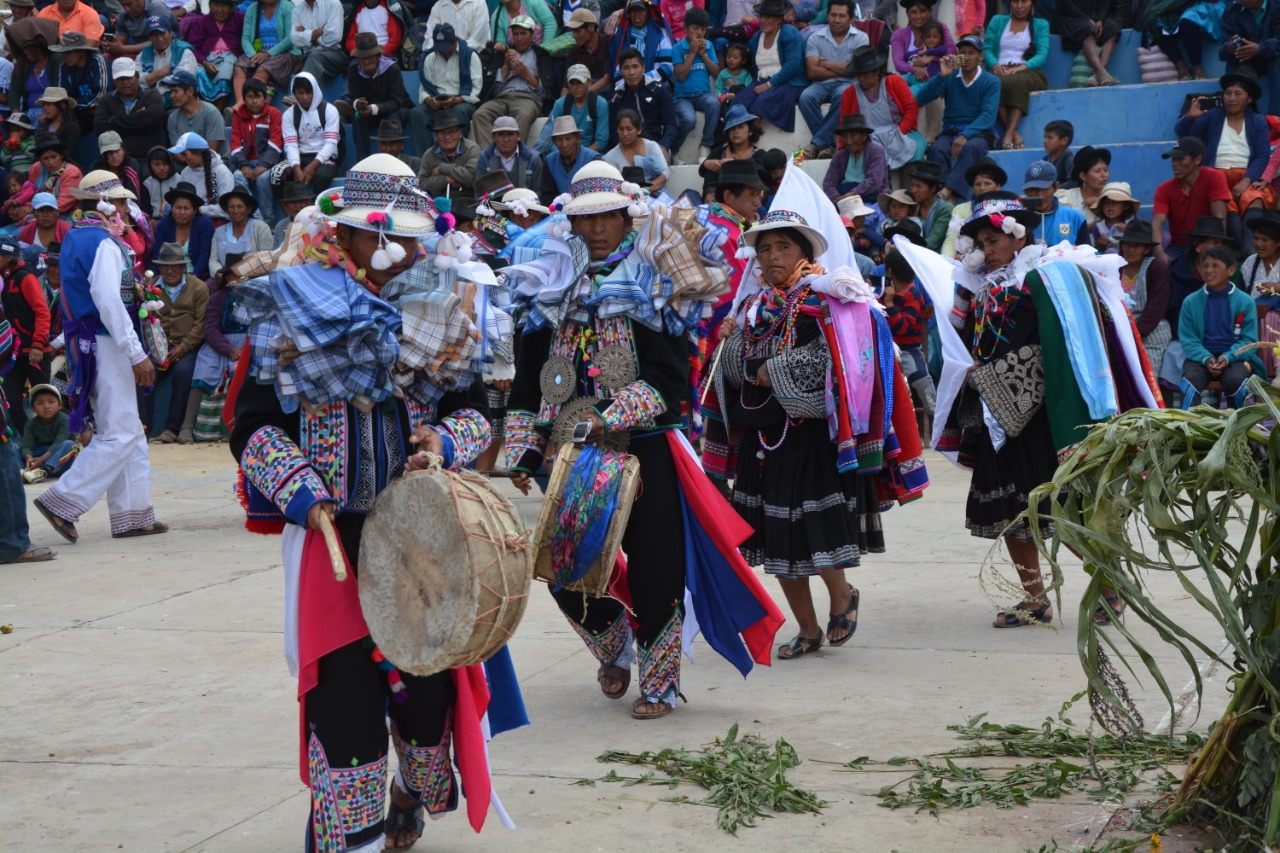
(523,446)
(637,404)
(469,434)
(276,467)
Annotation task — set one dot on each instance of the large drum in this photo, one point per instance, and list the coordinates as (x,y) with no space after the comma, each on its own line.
(559,531)
(445,567)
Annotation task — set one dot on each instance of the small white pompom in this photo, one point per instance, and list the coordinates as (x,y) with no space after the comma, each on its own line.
(380,261)
(443,262)
(485,210)
(746,252)
(463,254)
(105,207)
(636,210)
(395,252)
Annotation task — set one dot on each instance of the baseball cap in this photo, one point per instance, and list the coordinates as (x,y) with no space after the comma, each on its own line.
(1186,146)
(581,17)
(444,34)
(8,245)
(124,67)
(109,141)
(41,201)
(579,72)
(156,24)
(971,40)
(189,141)
(505,124)
(185,79)
(524,22)
(1040,175)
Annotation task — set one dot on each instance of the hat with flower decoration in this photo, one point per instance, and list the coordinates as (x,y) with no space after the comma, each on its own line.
(380,194)
(778,219)
(599,188)
(101,185)
(522,201)
(1003,214)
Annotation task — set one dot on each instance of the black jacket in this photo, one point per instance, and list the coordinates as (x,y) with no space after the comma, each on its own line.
(656,108)
(140,130)
(386,91)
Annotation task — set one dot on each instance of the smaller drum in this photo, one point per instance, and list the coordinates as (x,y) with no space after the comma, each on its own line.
(552,567)
(445,567)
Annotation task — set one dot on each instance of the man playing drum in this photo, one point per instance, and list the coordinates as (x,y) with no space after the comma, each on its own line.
(329,459)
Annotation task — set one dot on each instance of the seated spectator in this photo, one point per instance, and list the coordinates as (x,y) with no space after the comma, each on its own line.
(47,446)
(164,57)
(468,18)
(517,90)
(217,39)
(116,160)
(886,104)
(1092,168)
(58,116)
(18,150)
(311,127)
(650,100)
(1145,280)
(972,99)
(1215,324)
(736,73)
(53,174)
(204,170)
(267,50)
(780,77)
(907,44)
(44,227)
(1017,47)
(192,115)
(934,212)
(906,309)
(1260,278)
(20,9)
(1116,209)
(855,225)
(522,164)
(74,16)
(35,64)
(563,163)
(1251,38)
(861,166)
(590,50)
(450,79)
(241,235)
(390,139)
(741,133)
(387,20)
(643,29)
(161,177)
(1092,26)
(983,177)
(828,53)
(224,338)
(1237,139)
(317,33)
(694,59)
(375,92)
(1057,222)
(542,24)
(1194,191)
(1058,136)
(186,300)
(190,230)
(27,311)
(132,31)
(257,145)
(295,196)
(452,161)
(1179,28)
(82,74)
(21,193)
(136,114)
(634,150)
(590,112)
(898,207)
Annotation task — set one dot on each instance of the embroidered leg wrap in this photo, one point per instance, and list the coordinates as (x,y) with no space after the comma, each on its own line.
(660,664)
(426,771)
(132,519)
(344,800)
(614,645)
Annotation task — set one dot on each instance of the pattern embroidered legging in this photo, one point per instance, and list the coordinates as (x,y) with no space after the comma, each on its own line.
(654,545)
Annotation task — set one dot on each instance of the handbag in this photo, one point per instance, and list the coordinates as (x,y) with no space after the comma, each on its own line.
(209,426)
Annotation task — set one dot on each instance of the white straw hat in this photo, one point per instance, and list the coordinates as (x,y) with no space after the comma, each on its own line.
(599,188)
(380,194)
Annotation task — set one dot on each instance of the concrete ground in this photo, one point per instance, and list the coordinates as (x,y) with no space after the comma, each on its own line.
(146,705)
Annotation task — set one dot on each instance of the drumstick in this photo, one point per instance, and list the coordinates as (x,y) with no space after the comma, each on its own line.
(335,548)
(498,474)
(715,364)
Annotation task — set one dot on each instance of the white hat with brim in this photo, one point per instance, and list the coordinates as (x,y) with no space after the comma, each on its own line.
(853,205)
(100,184)
(778,219)
(521,194)
(598,188)
(380,194)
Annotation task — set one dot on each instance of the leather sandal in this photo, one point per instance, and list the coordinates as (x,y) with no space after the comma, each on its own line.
(666,708)
(842,622)
(401,819)
(38,554)
(155,528)
(65,529)
(610,671)
(1024,614)
(799,646)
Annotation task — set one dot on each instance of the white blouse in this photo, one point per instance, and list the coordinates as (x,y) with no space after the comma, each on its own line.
(768,62)
(1233,149)
(1013,46)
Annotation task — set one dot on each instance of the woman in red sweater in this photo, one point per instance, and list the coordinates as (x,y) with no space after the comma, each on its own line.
(885,101)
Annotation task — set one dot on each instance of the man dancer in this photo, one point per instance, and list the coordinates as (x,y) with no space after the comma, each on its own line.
(107,360)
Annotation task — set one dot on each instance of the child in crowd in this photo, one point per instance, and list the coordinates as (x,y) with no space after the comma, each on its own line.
(898,206)
(932,37)
(47,447)
(1216,323)
(257,144)
(934,213)
(1058,135)
(1260,278)
(1057,221)
(694,58)
(311,135)
(161,178)
(21,190)
(907,312)
(736,73)
(1116,208)
(18,150)
(774,162)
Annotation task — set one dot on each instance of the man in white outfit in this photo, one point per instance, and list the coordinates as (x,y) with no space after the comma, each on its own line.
(106,360)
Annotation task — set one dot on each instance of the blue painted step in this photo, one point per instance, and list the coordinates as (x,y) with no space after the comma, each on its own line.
(1139,163)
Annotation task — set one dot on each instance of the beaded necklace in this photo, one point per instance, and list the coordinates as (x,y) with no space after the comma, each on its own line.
(993,303)
(778,311)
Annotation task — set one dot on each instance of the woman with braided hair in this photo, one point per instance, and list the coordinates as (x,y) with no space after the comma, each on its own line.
(205,171)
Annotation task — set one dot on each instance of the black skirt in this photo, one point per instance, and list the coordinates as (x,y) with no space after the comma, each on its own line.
(1002,479)
(807,516)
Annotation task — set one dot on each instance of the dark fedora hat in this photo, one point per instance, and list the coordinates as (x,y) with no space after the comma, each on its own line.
(1244,77)
(1267,221)
(185,190)
(366,46)
(1087,157)
(740,173)
(446,119)
(924,170)
(390,130)
(986,166)
(492,184)
(864,59)
(48,141)
(854,123)
(241,193)
(171,254)
(772,8)
(1139,231)
(634,175)
(908,228)
(296,191)
(1210,227)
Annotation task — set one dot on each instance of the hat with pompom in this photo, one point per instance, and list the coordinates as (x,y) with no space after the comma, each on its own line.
(599,188)
(380,194)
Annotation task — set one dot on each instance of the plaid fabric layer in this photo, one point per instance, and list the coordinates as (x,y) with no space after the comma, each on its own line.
(549,285)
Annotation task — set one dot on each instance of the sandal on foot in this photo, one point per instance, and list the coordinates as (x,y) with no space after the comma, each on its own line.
(842,621)
(799,646)
(663,708)
(35,555)
(617,672)
(166,437)
(155,528)
(1024,614)
(1105,614)
(401,819)
(65,529)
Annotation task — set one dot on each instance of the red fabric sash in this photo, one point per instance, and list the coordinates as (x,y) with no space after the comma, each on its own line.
(233,390)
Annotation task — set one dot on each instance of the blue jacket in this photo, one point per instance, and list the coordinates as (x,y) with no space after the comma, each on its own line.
(1063,223)
(1208,129)
(791,52)
(1039,41)
(199,244)
(971,110)
(556,178)
(1239,21)
(1191,328)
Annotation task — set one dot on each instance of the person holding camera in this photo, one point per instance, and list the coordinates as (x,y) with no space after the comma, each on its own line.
(1251,38)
